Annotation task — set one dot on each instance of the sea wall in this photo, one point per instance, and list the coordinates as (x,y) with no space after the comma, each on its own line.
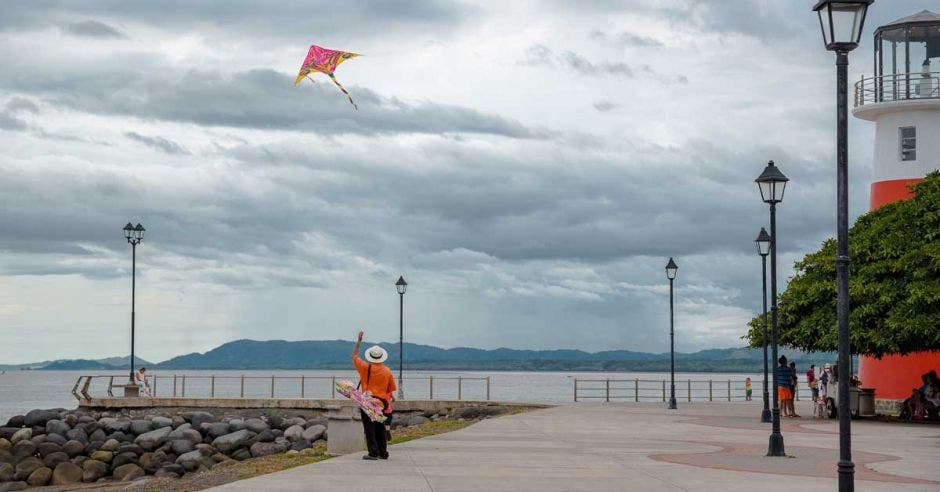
(123,439)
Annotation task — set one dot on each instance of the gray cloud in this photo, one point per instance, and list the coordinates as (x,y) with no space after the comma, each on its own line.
(157,142)
(540,55)
(604,106)
(94,29)
(10,122)
(626,39)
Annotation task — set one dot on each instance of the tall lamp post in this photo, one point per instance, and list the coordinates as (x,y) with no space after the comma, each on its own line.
(763,249)
(134,235)
(671,270)
(772,184)
(401,286)
(841,23)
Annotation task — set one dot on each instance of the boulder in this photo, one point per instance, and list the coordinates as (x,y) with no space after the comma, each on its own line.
(196,419)
(178,431)
(21,435)
(77,434)
(171,470)
(294,421)
(11,486)
(183,446)
(148,462)
(56,438)
(216,429)
(16,421)
(56,426)
(256,425)
(300,445)
(230,442)
(66,473)
(5,443)
(294,432)
(120,437)
(6,457)
(39,417)
(192,460)
(129,447)
(418,420)
(206,449)
(54,459)
(158,422)
(128,472)
(263,436)
(317,421)
(241,454)
(110,445)
(266,449)
(6,472)
(38,436)
(92,470)
(313,432)
(112,425)
(102,456)
(39,477)
(78,460)
(47,448)
(220,457)
(90,427)
(98,436)
(73,448)
(139,427)
(153,439)
(26,467)
(123,459)
(236,425)
(23,449)
(276,422)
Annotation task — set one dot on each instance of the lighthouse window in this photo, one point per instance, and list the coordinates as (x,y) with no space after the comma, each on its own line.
(908,143)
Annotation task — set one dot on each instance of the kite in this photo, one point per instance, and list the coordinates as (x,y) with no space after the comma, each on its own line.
(324,60)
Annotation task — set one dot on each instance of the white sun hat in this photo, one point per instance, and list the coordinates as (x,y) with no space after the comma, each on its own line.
(376,354)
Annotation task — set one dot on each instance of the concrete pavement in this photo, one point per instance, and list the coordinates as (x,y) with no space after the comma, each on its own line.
(631,446)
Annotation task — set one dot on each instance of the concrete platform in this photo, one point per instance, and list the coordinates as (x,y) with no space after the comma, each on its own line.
(631,446)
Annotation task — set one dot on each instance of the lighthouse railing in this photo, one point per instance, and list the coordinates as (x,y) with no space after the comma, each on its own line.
(897,87)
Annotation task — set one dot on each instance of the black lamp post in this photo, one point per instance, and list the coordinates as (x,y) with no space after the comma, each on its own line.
(401,286)
(772,184)
(763,249)
(671,270)
(841,23)
(134,235)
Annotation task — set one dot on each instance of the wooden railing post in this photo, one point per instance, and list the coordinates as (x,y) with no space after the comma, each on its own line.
(333,388)
(729,390)
(212,386)
(636,390)
(689,386)
(430,387)
(487,388)
(575,389)
(174,386)
(302,383)
(241,393)
(272,386)
(154,387)
(710,390)
(184,386)
(459,388)
(607,390)
(664,390)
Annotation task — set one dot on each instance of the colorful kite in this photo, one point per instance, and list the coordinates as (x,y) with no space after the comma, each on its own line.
(324,60)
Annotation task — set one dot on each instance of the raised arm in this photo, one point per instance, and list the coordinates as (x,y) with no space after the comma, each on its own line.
(355,351)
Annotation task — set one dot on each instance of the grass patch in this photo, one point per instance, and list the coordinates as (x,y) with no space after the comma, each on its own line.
(405,434)
(279,462)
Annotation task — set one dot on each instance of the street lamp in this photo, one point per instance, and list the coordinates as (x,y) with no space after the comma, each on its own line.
(763,249)
(134,235)
(401,286)
(841,23)
(772,183)
(671,270)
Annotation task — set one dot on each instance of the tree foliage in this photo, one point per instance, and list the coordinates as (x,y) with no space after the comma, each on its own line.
(894,286)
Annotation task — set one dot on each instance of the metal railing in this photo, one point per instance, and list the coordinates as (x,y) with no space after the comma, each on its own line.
(638,390)
(897,87)
(274,386)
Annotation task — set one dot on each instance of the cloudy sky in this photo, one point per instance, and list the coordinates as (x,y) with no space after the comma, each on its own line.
(528,166)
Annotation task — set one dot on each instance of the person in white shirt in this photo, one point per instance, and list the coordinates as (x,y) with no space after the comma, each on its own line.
(140,379)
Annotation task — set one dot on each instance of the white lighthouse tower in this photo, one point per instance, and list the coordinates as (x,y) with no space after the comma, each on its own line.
(903,99)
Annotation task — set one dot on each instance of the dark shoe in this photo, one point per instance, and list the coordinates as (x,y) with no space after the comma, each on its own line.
(369,457)
(383,456)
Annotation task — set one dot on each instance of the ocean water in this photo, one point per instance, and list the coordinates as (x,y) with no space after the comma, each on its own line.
(21,391)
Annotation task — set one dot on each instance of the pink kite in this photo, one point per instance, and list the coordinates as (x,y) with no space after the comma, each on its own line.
(324,60)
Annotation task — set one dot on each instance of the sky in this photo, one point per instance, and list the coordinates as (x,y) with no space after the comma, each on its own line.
(528,167)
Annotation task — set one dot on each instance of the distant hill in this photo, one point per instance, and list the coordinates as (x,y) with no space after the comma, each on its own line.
(108,364)
(334,354)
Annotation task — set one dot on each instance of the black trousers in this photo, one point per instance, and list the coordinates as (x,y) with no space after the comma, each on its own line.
(375,436)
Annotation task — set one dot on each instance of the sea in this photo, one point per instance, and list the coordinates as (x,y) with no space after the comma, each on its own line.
(21,391)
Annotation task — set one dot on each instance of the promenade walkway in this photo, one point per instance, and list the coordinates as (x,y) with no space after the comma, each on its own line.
(631,446)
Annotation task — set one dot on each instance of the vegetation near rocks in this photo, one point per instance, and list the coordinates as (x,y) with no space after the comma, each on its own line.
(894,283)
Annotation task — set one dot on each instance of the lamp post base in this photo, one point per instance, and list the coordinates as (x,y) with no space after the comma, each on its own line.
(775,448)
(672,404)
(765,416)
(131,391)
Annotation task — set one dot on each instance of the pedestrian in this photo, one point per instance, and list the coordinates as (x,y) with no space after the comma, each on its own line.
(377,382)
(812,382)
(782,380)
(793,389)
(140,379)
(747,389)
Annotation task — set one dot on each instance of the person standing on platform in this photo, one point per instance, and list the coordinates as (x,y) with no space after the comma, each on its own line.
(377,381)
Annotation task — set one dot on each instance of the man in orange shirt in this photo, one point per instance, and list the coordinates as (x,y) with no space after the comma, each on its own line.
(376,380)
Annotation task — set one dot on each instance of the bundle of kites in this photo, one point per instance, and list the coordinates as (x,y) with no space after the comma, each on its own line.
(324,60)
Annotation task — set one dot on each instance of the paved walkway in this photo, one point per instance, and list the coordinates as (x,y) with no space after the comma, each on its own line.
(619,447)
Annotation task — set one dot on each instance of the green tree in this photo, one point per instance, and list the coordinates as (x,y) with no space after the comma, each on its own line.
(894,284)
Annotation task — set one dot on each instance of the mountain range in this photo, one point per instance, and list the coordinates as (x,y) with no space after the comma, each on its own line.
(335,354)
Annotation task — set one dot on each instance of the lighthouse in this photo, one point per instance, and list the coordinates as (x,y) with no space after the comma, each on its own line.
(902,98)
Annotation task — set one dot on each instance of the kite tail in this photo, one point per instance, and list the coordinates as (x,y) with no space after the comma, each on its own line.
(343,89)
